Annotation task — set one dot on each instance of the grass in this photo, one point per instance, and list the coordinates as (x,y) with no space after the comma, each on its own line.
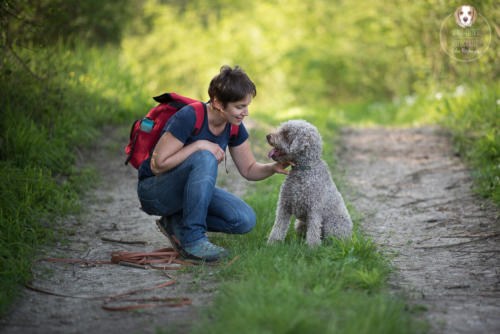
(44,125)
(474,120)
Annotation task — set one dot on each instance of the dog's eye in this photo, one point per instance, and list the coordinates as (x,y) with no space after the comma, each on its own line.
(461,13)
(469,13)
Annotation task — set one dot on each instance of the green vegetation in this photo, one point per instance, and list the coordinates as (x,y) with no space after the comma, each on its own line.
(54,99)
(44,125)
(474,120)
(367,62)
(290,288)
(68,68)
(303,53)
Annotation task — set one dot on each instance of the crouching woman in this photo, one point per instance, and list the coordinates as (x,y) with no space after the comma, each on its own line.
(178,181)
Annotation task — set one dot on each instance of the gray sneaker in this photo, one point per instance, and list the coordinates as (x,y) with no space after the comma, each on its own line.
(207,251)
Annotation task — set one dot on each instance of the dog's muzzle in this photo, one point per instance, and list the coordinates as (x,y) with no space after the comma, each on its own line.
(275,154)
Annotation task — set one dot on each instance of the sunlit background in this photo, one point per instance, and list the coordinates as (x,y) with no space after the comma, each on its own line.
(309,54)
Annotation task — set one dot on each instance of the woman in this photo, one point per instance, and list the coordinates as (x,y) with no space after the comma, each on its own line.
(178,181)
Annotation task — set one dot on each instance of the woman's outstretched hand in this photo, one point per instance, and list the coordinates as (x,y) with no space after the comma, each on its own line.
(280,167)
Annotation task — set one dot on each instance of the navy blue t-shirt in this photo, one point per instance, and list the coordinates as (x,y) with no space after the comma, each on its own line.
(181,125)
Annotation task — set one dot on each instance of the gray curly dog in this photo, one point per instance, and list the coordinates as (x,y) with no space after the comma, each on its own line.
(308,192)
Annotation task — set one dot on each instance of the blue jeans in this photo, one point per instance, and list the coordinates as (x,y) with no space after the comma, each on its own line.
(188,194)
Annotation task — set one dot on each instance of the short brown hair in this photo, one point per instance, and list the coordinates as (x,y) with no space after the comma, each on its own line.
(231,85)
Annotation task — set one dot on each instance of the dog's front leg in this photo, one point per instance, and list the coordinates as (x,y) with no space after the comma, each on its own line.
(313,234)
(281,223)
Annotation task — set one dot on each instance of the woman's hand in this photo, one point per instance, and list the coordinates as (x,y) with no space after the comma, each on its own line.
(171,152)
(213,148)
(279,167)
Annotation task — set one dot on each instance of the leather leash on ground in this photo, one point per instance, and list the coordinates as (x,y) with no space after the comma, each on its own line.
(137,260)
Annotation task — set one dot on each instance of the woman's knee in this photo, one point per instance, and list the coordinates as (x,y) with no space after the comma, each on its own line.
(204,158)
(203,167)
(247,221)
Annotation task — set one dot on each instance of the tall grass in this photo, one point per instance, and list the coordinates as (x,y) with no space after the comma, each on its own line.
(44,123)
(474,120)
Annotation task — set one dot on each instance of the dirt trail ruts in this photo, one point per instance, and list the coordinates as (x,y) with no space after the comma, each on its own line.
(111,211)
(415,195)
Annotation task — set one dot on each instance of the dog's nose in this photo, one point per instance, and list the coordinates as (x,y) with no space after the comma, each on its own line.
(268,136)
(465,19)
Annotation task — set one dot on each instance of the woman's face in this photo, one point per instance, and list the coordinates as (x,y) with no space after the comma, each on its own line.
(235,112)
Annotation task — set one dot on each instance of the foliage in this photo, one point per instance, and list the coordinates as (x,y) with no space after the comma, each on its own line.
(301,53)
(475,123)
(46,22)
(366,62)
(44,125)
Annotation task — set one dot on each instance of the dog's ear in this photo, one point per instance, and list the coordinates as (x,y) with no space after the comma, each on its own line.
(457,15)
(474,14)
(300,143)
(285,133)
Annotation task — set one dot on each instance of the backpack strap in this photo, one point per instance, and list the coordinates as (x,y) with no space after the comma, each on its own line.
(199,108)
(234,132)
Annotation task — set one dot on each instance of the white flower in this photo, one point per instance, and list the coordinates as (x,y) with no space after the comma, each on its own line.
(410,100)
(438,96)
(459,90)
(498,101)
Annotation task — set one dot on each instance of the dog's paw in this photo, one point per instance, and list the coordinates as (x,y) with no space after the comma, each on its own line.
(272,239)
(313,243)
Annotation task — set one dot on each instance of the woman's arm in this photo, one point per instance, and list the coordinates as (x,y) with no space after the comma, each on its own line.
(251,169)
(171,152)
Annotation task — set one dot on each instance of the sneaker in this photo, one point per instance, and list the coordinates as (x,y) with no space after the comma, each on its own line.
(207,251)
(168,229)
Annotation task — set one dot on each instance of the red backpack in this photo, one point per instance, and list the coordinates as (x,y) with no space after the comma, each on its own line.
(145,133)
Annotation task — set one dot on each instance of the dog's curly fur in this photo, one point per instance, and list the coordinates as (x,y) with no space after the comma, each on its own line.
(308,192)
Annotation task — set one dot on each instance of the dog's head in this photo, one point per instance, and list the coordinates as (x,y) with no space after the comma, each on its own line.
(295,140)
(465,16)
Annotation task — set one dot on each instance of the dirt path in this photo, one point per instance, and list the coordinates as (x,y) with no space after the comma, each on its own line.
(112,211)
(415,195)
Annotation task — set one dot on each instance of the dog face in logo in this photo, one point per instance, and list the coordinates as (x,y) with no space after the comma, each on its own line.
(465,16)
